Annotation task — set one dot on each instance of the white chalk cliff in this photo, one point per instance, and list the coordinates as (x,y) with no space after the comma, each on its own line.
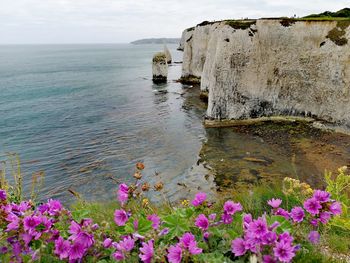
(271,67)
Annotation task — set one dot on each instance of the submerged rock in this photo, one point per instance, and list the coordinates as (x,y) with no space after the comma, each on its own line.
(159,68)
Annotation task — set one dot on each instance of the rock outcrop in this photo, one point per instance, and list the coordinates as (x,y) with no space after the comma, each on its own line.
(159,67)
(265,67)
(167,54)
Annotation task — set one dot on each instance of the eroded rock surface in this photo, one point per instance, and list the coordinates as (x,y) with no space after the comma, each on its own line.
(265,67)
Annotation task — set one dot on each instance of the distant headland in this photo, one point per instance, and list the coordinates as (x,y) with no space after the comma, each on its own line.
(156,41)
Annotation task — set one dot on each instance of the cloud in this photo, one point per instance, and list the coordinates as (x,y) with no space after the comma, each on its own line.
(76,21)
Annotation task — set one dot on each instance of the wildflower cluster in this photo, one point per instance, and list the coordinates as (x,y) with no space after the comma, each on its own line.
(198,231)
(294,187)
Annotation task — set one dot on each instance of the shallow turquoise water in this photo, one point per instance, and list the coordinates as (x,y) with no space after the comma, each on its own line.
(81,113)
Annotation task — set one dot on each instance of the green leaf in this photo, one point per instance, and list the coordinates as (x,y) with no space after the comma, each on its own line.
(144,226)
(285,225)
(177,225)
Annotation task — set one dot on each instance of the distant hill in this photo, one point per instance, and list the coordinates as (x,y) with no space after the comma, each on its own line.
(344,13)
(156,41)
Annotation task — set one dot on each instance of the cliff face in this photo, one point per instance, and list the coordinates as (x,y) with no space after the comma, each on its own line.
(271,67)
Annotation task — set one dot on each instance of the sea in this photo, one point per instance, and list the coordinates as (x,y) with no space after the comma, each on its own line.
(84,115)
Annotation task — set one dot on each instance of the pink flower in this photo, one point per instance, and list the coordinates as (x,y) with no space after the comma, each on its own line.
(238,247)
(313,206)
(120,217)
(3,195)
(202,222)
(282,212)
(212,217)
(194,249)
(199,199)
(127,244)
(226,218)
(324,217)
(13,222)
(321,196)
(118,256)
(283,251)
(174,254)
(54,207)
(83,238)
(107,243)
(314,237)
(335,208)
(155,220)
(268,259)
(269,238)
(274,203)
(74,228)
(231,208)
(297,214)
(123,193)
(76,251)
(189,242)
(147,251)
(258,227)
(186,239)
(62,248)
(30,223)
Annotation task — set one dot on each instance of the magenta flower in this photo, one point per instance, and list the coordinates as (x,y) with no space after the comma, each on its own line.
(314,237)
(30,223)
(118,256)
(123,193)
(297,214)
(194,249)
(202,222)
(147,251)
(281,212)
(321,196)
(3,195)
(274,203)
(238,247)
(186,239)
(62,248)
(84,239)
(212,217)
(226,218)
(189,242)
(335,208)
(107,243)
(174,254)
(74,228)
(199,199)
(268,259)
(231,208)
(269,238)
(283,251)
(286,237)
(13,222)
(54,207)
(127,244)
(155,220)
(313,206)
(76,251)
(258,227)
(120,217)
(324,217)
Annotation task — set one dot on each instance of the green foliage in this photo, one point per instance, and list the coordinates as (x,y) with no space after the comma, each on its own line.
(339,187)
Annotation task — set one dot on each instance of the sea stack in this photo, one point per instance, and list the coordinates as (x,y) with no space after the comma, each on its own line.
(159,68)
(167,54)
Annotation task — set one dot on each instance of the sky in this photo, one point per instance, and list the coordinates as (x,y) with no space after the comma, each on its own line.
(122,21)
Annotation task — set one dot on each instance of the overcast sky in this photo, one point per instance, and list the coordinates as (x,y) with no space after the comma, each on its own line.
(120,21)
